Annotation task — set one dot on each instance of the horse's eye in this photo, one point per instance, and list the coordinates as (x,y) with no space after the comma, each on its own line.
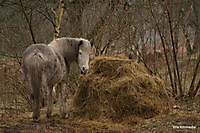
(80,53)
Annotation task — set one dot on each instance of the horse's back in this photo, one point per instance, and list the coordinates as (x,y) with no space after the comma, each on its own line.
(45,60)
(37,53)
(43,49)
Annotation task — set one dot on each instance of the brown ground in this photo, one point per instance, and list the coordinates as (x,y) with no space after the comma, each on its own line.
(15,117)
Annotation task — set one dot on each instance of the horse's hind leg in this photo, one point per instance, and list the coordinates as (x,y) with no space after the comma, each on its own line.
(35,98)
(47,95)
(36,105)
(49,101)
(62,100)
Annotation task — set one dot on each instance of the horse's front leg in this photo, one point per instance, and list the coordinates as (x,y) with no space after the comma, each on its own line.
(49,101)
(62,100)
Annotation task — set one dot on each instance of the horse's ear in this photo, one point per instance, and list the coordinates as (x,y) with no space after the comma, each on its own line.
(80,43)
(92,44)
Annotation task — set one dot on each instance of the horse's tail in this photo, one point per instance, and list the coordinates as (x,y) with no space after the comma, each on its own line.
(36,74)
(34,70)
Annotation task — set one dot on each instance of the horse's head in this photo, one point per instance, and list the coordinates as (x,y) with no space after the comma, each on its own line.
(85,48)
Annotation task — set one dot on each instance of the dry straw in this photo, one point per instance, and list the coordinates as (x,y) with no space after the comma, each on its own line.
(118,89)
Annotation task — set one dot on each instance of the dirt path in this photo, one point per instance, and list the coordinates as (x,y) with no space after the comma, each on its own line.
(178,120)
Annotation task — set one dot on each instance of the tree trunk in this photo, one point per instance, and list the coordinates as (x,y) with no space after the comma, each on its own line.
(188,47)
(196,45)
(176,35)
(187,43)
(192,91)
(58,19)
(196,5)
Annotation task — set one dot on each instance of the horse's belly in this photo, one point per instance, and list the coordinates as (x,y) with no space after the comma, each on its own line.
(55,72)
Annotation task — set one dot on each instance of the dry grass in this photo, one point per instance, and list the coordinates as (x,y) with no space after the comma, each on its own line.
(117,96)
(119,90)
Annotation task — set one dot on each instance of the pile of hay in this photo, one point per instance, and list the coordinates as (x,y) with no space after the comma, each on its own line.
(119,89)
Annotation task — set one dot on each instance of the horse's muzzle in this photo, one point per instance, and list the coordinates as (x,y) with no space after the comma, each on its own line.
(84,72)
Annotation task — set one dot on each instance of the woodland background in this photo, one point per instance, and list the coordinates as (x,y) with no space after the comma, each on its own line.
(157,32)
(162,35)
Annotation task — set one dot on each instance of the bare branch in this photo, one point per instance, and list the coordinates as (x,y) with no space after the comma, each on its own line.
(28,20)
(174,51)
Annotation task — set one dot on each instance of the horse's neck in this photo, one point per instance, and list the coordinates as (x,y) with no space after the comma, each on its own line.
(65,49)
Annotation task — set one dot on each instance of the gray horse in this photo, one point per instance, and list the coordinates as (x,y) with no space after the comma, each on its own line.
(45,66)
